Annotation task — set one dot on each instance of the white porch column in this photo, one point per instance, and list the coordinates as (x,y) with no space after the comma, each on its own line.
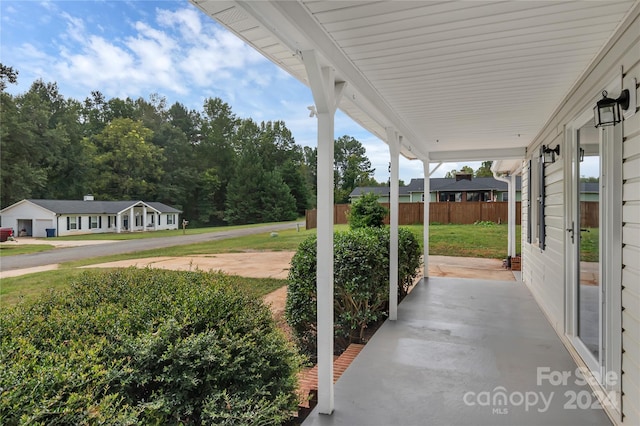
(512,216)
(511,211)
(132,219)
(393,139)
(118,223)
(427,201)
(326,95)
(144,218)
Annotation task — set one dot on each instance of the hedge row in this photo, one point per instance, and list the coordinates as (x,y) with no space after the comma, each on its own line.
(361,284)
(145,347)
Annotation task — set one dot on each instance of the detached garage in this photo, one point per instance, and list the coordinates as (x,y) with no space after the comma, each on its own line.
(42,218)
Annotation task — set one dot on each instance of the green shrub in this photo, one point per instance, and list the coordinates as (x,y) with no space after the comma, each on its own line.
(484,223)
(145,347)
(367,212)
(361,284)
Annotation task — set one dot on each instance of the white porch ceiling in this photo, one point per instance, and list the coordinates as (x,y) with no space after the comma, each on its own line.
(459,80)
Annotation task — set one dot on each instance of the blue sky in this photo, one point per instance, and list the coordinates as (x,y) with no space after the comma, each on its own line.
(137,48)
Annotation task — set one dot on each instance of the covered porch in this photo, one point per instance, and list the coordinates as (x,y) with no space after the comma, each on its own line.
(464,352)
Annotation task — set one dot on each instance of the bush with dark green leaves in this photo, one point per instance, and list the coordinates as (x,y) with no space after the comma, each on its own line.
(361,284)
(145,347)
(367,212)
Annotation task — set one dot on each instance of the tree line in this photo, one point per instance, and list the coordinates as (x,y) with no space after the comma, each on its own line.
(215,166)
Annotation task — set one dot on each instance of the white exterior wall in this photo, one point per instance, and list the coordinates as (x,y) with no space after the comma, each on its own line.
(544,271)
(631,245)
(163,221)
(40,218)
(62,229)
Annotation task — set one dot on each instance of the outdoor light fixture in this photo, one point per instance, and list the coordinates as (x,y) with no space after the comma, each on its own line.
(549,154)
(607,111)
(312,111)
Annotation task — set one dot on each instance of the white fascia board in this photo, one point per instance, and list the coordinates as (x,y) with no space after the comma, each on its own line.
(138,204)
(511,167)
(478,155)
(18,203)
(292,24)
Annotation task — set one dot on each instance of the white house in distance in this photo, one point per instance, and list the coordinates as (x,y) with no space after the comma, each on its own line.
(513,82)
(42,218)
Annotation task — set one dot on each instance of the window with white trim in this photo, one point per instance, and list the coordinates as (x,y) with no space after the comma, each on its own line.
(72,223)
(171,219)
(93,222)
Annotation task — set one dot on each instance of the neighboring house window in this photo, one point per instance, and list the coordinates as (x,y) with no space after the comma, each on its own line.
(74,222)
(108,221)
(505,196)
(138,220)
(171,219)
(477,196)
(95,222)
(451,196)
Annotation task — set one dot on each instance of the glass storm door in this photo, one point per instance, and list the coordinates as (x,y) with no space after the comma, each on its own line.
(594,249)
(589,288)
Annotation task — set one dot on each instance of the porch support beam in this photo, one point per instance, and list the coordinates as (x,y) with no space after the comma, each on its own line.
(118,222)
(326,95)
(512,216)
(393,140)
(478,155)
(144,218)
(427,203)
(510,180)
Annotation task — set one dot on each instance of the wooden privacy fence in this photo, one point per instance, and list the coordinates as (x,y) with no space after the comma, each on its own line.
(443,213)
(457,213)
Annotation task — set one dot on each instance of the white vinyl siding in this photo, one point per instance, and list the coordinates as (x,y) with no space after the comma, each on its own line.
(543,271)
(631,247)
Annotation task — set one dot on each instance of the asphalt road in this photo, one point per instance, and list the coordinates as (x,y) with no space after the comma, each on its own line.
(67,254)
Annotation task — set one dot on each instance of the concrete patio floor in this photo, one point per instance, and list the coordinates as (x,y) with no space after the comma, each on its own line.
(464,352)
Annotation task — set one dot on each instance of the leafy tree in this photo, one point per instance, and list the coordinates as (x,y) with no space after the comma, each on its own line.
(129,166)
(292,175)
(484,170)
(465,170)
(43,154)
(277,202)
(215,148)
(256,195)
(19,171)
(352,167)
(591,179)
(309,169)
(7,75)
(367,212)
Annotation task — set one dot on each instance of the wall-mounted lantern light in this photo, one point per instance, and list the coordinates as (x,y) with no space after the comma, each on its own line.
(607,111)
(549,154)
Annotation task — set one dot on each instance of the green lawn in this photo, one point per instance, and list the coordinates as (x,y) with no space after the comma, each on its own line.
(286,240)
(158,234)
(489,241)
(589,245)
(482,240)
(8,249)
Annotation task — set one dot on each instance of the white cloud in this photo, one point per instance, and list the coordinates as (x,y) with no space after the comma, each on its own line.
(75,28)
(186,20)
(176,54)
